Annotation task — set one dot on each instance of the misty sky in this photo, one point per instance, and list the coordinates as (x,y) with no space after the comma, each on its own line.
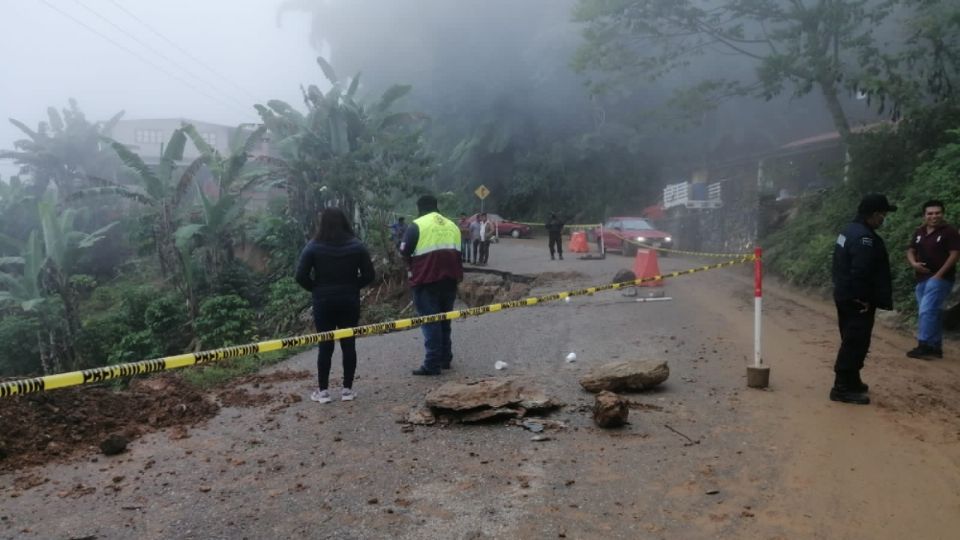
(48,58)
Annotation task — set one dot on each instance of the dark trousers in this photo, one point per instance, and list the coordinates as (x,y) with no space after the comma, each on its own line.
(476,251)
(555,240)
(855,331)
(330,313)
(430,299)
(484,251)
(465,250)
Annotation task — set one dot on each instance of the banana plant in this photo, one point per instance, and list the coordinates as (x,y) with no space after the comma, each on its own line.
(340,150)
(64,150)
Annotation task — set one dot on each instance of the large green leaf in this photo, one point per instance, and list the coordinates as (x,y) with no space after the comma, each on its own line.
(135,162)
(31,133)
(96,236)
(354,84)
(392,94)
(328,71)
(107,127)
(185,233)
(202,145)
(54,241)
(186,179)
(104,191)
(172,155)
(56,121)
(8,261)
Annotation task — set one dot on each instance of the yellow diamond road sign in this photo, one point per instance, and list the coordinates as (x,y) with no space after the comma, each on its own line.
(482,192)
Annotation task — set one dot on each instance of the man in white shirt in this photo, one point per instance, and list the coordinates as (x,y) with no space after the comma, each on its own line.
(486,231)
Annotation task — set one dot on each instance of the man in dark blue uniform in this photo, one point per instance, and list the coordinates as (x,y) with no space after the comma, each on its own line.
(861,285)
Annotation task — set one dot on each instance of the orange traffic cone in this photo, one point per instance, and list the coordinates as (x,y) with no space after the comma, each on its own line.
(578,242)
(645,266)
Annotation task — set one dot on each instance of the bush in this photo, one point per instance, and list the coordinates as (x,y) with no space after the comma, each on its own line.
(101,336)
(917,162)
(19,353)
(166,320)
(136,346)
(936,178)
(285,301)
(225,321)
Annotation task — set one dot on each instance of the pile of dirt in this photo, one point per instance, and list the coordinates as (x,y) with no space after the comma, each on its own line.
(482,289)
(37,428)
(545,278)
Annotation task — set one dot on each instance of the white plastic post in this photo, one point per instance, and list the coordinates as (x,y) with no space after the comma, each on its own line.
(757,307)
(603,245)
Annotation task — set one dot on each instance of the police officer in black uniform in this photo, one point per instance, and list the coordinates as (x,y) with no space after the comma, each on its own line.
(861,285)
(554,228)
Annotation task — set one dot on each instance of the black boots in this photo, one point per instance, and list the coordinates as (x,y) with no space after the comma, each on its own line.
(848,388)
(925,352)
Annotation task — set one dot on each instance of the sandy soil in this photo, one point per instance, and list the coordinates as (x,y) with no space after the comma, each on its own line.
(703,456)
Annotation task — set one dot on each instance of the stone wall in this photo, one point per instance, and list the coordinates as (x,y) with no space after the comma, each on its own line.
(731,228)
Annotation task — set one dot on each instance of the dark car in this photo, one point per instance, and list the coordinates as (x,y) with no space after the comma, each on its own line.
(504,227)
(636,229)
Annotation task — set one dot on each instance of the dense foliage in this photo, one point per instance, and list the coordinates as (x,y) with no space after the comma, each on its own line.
(175,277)
(916,161)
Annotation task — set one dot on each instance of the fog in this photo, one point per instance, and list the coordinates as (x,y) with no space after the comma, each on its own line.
(50,55)
(474,65)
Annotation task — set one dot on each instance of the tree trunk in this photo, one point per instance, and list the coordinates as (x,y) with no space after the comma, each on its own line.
(829,90)
(46,362)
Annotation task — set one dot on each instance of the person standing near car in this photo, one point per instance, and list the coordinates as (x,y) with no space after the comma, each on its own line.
(933,253)
(465,242)
(430,249)
(555,231)
(475,239)
(334,266)
(861,284)
(486,232)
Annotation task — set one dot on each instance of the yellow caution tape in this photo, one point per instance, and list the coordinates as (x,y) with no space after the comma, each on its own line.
(99,374)
(681,252)
(573,225)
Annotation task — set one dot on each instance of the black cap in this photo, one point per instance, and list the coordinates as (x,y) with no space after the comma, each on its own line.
(874,202)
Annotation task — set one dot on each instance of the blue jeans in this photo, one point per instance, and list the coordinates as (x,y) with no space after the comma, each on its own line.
(931,295)
(430,299)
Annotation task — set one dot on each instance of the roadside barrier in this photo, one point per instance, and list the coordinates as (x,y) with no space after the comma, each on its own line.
(100,374)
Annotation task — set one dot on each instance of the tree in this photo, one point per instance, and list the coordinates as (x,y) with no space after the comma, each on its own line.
(62,243)
(162,190)
(64,151)
(46,263)
(341,151)
(831,46)
(220,216)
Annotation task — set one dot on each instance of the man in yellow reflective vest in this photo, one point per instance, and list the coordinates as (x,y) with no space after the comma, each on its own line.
(431,247)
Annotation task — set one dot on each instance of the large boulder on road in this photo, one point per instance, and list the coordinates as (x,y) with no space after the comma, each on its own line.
(626,376)
(610,410)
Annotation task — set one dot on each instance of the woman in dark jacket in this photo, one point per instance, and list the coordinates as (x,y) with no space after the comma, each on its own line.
(334,266)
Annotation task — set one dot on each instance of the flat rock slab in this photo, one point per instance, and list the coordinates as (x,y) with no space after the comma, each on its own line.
(489,393)
(626,376)
(487,399)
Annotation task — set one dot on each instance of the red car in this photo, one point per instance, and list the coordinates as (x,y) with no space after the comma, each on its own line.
(634,228)
(504,227)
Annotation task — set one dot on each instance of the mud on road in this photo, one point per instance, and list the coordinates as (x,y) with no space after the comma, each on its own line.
(702,457)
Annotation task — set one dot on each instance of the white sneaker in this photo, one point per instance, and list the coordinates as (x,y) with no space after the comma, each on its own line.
(321,396)
(347,395)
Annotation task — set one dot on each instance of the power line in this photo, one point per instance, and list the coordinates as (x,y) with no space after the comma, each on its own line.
(157,52)
(135,54)
(184,51)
